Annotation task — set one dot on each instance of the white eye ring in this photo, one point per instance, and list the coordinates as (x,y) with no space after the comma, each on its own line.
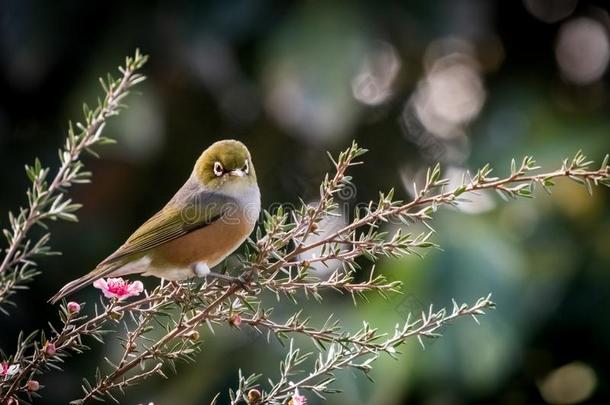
(247,167)
(218,170)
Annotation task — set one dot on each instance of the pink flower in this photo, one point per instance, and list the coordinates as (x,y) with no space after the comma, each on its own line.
(7,370)
(73,307)
(118,288)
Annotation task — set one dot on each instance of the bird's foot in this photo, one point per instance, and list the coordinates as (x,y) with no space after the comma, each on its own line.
(202,270)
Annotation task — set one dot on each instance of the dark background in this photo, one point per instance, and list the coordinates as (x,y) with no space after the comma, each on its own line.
(463,82)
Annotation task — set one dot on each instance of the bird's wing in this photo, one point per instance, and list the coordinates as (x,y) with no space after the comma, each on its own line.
(186,212)
(191,208)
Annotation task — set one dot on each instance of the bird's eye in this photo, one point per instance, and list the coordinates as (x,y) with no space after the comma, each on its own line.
(218,170)
(246,168)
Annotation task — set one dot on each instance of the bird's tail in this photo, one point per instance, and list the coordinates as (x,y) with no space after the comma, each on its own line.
(81,282)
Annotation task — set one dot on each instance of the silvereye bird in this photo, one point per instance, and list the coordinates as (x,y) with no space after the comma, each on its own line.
(205,221)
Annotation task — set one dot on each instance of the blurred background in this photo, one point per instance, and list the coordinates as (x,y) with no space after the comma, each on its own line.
(462,82)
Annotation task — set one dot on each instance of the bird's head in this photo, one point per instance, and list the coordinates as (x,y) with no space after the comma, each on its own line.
(225,163)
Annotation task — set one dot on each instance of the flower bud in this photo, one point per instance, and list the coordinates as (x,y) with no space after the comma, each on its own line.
(192,335)
(12,401)
(49,349)
(73,307)
(254,396)
(235,320)
(297,399)
(33,385)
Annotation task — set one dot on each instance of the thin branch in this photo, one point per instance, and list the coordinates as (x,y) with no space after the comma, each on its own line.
(348,348)
(47,201)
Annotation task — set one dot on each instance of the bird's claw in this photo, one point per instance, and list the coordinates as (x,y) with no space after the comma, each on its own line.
(243,283)
(202,270)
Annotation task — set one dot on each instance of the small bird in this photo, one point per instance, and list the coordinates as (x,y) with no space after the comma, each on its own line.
(204,222)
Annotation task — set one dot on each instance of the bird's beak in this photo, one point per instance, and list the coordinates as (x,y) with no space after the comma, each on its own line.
(237,172)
